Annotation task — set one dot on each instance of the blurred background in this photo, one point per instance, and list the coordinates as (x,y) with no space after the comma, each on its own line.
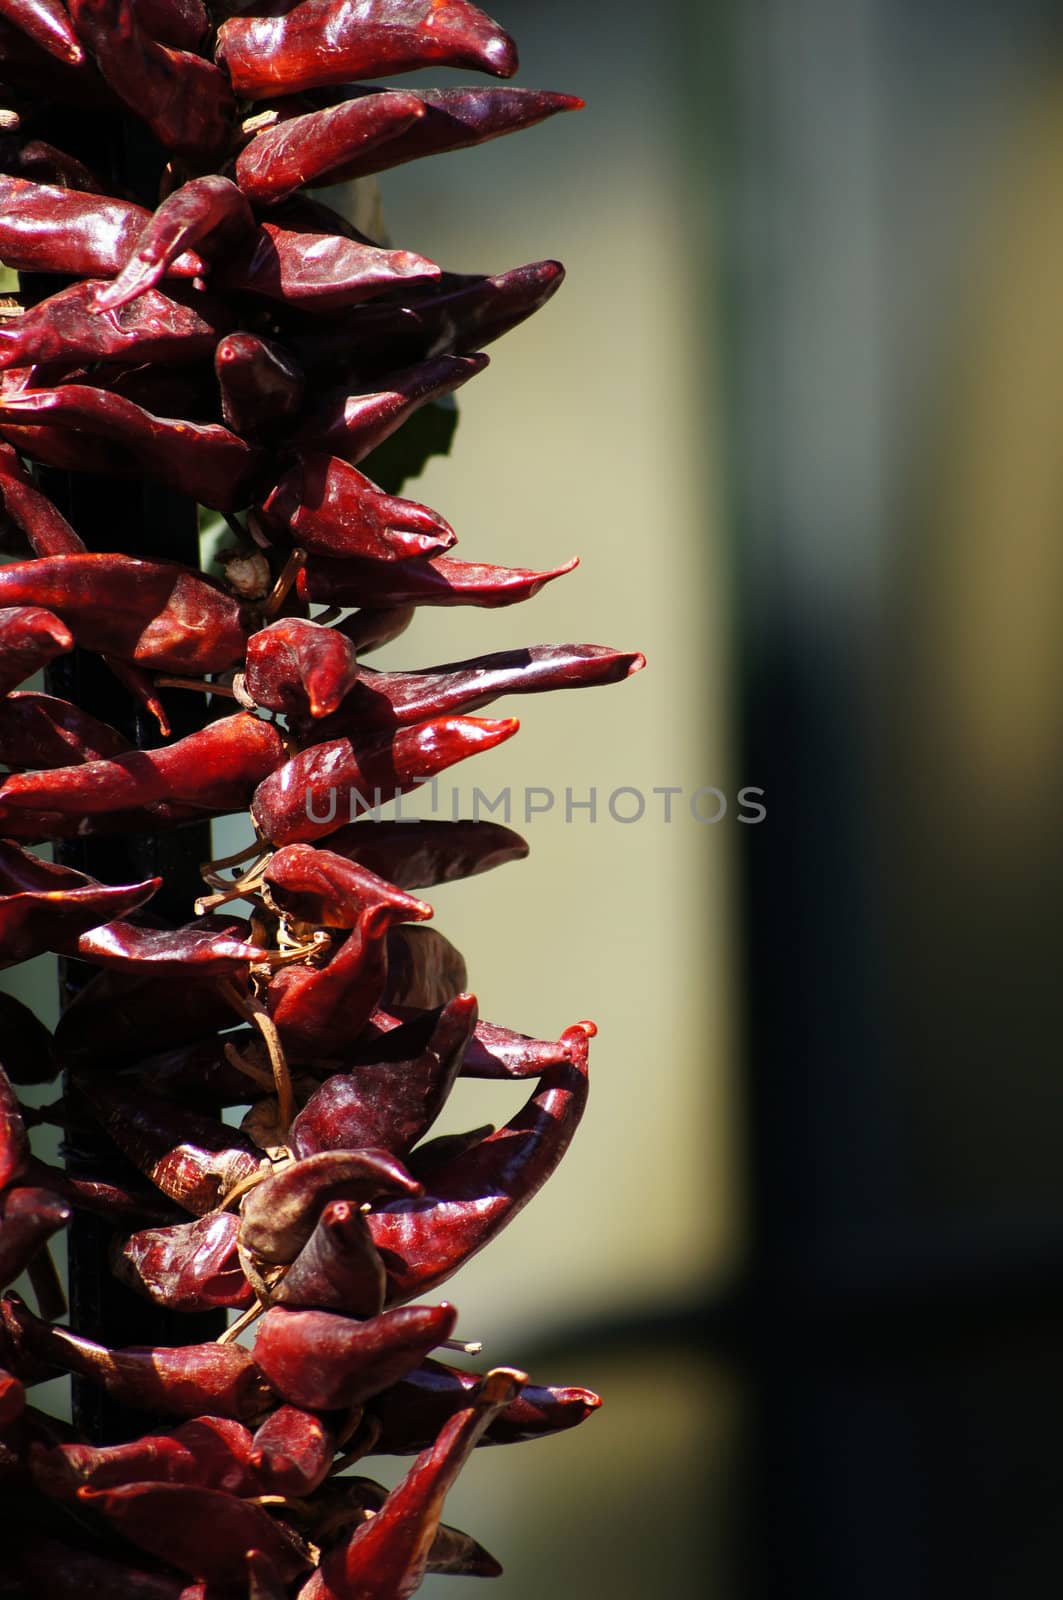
(796,409)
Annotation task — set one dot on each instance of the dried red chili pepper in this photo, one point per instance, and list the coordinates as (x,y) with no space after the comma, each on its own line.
(30,637)
(398,1539)
(203,1532)
(412,1411)
(188,1266)
(72,326)
(122,1016)
(37,730)
(439,581)
(46,907)
(329,508)
(278,1216)
(419,854)
(43,163)
(353,425)
(121,1205)
(369,628)
(424,1241)
(182,24)
(325,1362)
(316,270)
(424,969)
(208,1453)
(261,386)
(318,43)
(30,1218)
(192,1380)
(338,1269)
(203,460)
(209,208)
(345,1503)
(318,886)
(45,228)
(302,149)
(48,532)
(321,787)
(47,24)
(185,101)
(214,946)
(292,1452)
(299,668)
(156,613)
(217,767)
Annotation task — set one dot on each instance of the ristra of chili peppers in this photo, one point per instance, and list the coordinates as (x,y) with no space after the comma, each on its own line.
(329,508)
(45,228)
(319,42)
(278,1216)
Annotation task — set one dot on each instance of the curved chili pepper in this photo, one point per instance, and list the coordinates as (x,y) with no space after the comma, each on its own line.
(320,887)
(324,1362)
(44,228)
(47,530)
(260,384)
(439,581)
(279,1216)
(122,1206)
(338,1269)
(185,101)
(72,326)
(47,24)
(38,730)
(320,42)
(299,667)
(192,1380)
(294,803)
(397,699)
(413,1410)
(155,613)
(331,509)
(456,119)
(30,637)
(424,1241)
(213,945)
(369,629)
(353,425)
(43,163)
(346,1502)
(302,149)
(45,907)
(424,969)
(193,1159)
(182,24)
(200,459)
(386,1557)
(30,1218)
(211,208)
(419,854)
(318,269)
(189,1266)
(208,1453)
(454,314)
(438,1153)
(500,1053)
(203,1532)
(29,1054)
(292,1452)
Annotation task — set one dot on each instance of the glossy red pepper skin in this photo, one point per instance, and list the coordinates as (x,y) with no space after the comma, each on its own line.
(209,208)
(208,1453)
(338,1269)
(326,506)
(212,946)
(30,1218)
(303,149)
(48,25)
(185,101)
(320,788)
(456,119)
(202,1532)
(420,854)
(45,228)
(192,1380)
(326,1362)
(194,1159)
(424,1241)
(320,887)
(412,1411)
(203,460)
(154,613)
(319,270)
(452,315)
(30,637)
(47,531)
(216,767)
(399,699)
(351,426)
(38,730)
(347,1502)
(261,386)
(189,1266)
(279,1216)
(292,1452)
(439,581)
(315,1008)
(45,907)
(72,327)
(299,668)
(393,1102)
(387,1556)
(320,42)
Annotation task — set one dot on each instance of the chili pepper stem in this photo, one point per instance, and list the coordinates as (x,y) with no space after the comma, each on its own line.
(199,684)
(259,1018)
(246,1318)
(210,869)
(235,1059)
(237,890)
(284,584)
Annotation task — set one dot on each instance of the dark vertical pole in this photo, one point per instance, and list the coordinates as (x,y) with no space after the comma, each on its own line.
(142,519)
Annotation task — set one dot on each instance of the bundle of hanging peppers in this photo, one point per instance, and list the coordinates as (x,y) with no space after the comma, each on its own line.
(247,347)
